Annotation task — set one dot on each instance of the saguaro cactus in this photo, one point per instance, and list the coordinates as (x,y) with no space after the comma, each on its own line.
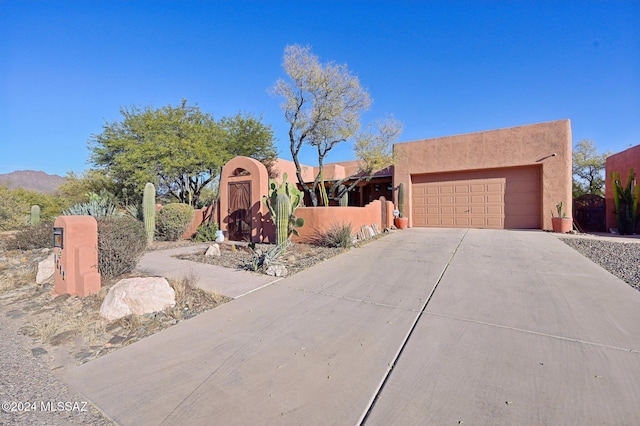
(282,212)
(34,218)
(149,210)
(401,199)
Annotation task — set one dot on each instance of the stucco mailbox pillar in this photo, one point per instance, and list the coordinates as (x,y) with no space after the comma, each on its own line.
(75,241)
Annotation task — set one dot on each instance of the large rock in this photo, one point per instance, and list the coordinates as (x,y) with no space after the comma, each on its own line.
(137,296)
(277,271)
(46,268)
(213,250)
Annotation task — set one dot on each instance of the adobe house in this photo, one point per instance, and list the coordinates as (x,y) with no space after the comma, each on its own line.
(621,162)
(507,178)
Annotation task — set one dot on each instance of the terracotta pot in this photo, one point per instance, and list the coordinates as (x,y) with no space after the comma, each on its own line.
(401,222)
(562,224)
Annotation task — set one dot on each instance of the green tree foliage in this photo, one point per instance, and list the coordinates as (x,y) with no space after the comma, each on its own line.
(180,149)
(323,104)
(588,169)
(77,188)
(13,210)
(246,135)
(16,206)
(374,149)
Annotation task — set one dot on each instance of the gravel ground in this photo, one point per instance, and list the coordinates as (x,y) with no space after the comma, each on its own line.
(621,259)
(29,392)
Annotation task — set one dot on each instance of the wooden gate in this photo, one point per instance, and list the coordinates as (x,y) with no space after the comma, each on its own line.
(589,211)
(239,226)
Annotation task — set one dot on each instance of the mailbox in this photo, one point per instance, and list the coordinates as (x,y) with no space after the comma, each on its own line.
(58,235)
(75,242)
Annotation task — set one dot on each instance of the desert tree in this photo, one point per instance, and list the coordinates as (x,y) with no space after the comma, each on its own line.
(323,104)
(588,168)
(180,149)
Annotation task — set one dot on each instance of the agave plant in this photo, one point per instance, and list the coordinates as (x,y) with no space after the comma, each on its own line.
(98,206)
(270,257)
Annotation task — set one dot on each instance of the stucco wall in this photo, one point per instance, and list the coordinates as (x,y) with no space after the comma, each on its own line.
(511,147)
(318,219)
(289,167)
(620,162)
(199,216)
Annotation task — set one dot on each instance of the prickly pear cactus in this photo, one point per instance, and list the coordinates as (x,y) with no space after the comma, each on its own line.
(149,210)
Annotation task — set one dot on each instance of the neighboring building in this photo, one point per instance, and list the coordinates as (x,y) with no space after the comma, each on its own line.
(507,178)
(621,162)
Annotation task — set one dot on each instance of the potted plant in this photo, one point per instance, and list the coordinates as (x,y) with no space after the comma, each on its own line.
(401,222)
(562,223)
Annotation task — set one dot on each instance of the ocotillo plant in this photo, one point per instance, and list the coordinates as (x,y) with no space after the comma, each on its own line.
(149,210)
(34,218)
(344,200)
(401,199)
(282,202)
(323,190)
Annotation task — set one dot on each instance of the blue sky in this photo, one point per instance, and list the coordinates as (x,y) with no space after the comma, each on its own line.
(440,67)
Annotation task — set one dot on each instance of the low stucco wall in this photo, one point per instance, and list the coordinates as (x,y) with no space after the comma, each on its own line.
(199,217)
(620,162)
(319,219)
(520,146)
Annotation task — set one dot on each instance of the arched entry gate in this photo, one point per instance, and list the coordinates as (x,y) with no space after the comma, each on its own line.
(242,213)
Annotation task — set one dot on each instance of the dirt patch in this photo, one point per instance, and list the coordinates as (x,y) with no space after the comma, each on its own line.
(69,327)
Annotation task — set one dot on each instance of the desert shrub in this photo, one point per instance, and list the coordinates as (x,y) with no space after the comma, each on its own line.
(121,242)
(206,232)
(172,220)
(33,237)
(337,235)
(13,210)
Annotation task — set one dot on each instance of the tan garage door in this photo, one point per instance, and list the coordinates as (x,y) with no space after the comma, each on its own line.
(502,198)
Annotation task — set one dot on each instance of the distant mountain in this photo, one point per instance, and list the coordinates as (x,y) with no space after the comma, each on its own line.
(33,180)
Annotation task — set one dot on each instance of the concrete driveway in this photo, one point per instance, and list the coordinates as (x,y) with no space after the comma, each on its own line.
(425,326)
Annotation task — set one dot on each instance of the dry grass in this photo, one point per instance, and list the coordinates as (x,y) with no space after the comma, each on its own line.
(184,288)
(130,323)
(98,298)
(75,322)
(189,296)
(15,277)
(42,330)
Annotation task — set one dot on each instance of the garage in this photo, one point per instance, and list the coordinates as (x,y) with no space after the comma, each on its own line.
(508,198)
